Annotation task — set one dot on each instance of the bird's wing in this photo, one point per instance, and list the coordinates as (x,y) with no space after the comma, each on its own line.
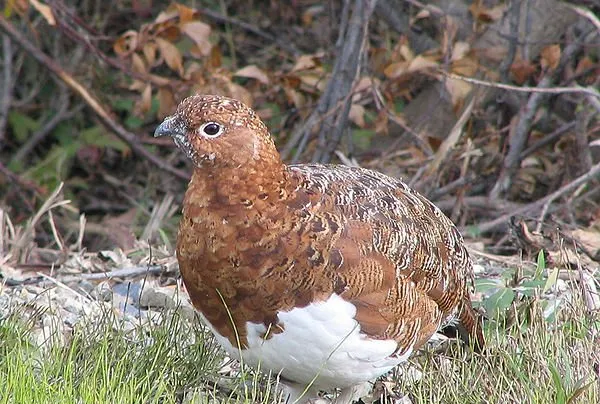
(386,249)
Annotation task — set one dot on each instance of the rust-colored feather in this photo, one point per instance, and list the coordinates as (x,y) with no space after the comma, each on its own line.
(261,237)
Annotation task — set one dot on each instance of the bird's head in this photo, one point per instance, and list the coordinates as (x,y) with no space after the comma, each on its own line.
(216,131)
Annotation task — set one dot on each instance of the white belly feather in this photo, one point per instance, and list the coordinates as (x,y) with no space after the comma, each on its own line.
(322,339)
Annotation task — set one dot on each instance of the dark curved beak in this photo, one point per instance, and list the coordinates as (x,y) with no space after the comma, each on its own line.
(171,126)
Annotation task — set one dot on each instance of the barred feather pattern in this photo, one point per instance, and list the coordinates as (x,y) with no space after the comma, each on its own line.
(259,237)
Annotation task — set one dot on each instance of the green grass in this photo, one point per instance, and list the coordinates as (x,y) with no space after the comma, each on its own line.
(530,362)
(106,361)
(111,361)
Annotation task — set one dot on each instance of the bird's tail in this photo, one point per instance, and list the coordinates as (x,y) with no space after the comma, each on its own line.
(470,327)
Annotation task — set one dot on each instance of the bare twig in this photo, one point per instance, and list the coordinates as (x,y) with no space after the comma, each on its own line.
(346,71)
(85,41)
(60,115)
(64,286)
(122,273)
(130,272)
(7,84)
(513,36)
(89,99)
(281,42)
(22,184)
(546,140)
(584,12)
(393,14)
(53,201)
(417,140)
(337,96)
(481,203)
(525,89)
(548,199)
(520,132)
(452,138)
(436,194)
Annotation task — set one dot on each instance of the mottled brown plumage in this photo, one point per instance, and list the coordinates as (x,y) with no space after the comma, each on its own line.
(259,238)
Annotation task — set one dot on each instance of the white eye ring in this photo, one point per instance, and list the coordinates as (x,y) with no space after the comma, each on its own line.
(211,130)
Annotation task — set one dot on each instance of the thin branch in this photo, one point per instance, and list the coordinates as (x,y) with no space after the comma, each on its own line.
(59,116)
(546,140)
(525,89)
(130,272)
(548,199)
(7,84)
(335,101)
(461,182)
(281,42)
(584,12)
(87,44)
(90,100)
(514,17)
(520,132)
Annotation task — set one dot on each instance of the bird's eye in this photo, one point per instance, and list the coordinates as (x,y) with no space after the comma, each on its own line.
(211,129)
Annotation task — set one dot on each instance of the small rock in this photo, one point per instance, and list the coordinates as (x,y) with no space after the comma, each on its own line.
(161,297)
(50,334)
(102,292)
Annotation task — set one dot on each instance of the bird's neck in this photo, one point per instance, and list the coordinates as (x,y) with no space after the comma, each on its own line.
(222,187)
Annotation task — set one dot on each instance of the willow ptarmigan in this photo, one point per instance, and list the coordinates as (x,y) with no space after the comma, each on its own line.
(324,274)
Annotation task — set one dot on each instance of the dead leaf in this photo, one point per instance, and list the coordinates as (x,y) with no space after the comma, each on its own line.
(395,70)
(291,81)
(150,53)
(171,55)
(460,50)
(171,12)
(18,6)
(145,102)
(306,62)
(583,65)
(466,66)
(137,85)
(186,14)
(198,32)
(486,15)
(357,115)
(120,233)
(295,97)
(253,72)
(522,70)
(240,93)
(458,90)
(421,63)
(137,64)
(405,51)
(126,43)
(423,13)
(364,85)
(314,81)
(309,14)
(550,57)
(589,239)
(215,58)
(45,11)
(265,113)
(166,102)
(159,80)
(382,122)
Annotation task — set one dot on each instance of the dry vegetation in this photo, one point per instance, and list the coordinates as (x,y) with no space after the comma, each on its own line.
(489,108)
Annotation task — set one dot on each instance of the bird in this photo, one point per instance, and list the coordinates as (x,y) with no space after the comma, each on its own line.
(328,276)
